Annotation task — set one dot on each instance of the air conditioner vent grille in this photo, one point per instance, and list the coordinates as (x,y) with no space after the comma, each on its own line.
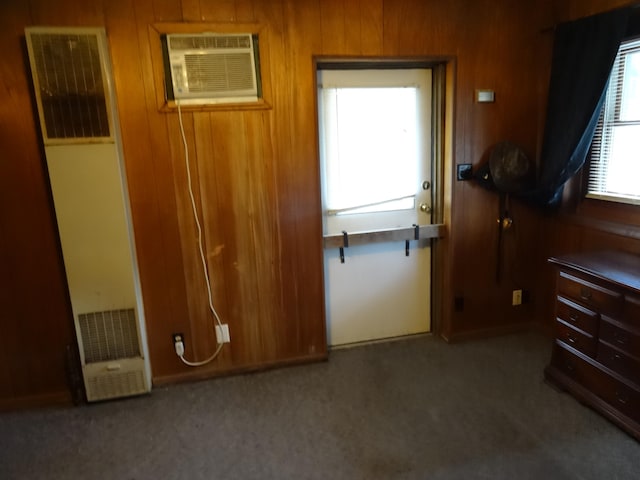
(204,42)
(70,85)
(109,335)
(219,72)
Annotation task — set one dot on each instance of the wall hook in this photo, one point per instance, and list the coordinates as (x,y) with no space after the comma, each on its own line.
(345,244)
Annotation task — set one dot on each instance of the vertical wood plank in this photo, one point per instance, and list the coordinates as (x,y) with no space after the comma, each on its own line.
(191,11)
(219,241)
(205,172)
(300,175)
(265,236)
(391,26)
(166,10)
(273,14)
(244,11)
(577,9)
(278,132)
(82,14)
(353,25)
(399,36)
(197,310)
(36,315)
(372,27)
(232,159)
(218,11)
(332,21)
(154,206)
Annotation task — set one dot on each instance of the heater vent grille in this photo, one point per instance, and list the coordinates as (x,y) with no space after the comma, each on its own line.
(109,335)
(69,85)
(114,385)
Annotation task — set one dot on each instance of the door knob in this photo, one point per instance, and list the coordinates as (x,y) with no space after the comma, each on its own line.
(425,208)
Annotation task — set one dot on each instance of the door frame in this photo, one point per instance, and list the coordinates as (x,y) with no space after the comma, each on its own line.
(443,107)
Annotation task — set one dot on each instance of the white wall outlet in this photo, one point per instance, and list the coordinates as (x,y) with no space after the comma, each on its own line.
(516,298)
(222,333)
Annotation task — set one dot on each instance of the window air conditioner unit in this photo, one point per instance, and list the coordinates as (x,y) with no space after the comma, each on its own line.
(211,68)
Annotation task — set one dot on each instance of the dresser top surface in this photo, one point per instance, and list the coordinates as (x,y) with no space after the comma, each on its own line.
(620,268)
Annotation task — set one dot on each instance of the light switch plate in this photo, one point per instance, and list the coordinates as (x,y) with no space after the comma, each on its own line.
(485,96)
(464,171)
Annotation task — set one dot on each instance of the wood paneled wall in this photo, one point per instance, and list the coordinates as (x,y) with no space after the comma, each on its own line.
(582,8)
(257,181)
(587,224)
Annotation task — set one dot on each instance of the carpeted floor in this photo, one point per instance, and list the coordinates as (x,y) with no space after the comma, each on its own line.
(411,409)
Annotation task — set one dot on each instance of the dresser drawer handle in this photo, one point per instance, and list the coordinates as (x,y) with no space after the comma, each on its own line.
(622,398)
(585,294)
(574,317)
(616,357)
(620,338)
(570,338)
(569,367)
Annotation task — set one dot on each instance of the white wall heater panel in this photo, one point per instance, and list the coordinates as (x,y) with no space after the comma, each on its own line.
(78,117)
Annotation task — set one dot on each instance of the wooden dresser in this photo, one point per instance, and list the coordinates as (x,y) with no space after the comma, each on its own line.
(596,354)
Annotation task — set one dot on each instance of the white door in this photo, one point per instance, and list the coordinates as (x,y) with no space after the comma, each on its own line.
(375,144)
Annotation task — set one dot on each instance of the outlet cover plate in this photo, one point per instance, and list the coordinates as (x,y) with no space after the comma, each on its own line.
(516,298)
(222,333)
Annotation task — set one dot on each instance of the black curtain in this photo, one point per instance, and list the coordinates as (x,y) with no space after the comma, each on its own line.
(583,55)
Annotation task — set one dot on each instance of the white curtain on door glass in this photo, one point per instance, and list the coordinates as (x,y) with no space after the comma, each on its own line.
(365,128)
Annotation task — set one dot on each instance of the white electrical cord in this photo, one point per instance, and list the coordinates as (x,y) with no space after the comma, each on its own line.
(180,345)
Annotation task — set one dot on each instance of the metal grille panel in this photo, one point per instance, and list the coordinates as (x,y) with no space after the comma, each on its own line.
(71,87)
(109,335)
(114,385)
(203,42)
(219,72)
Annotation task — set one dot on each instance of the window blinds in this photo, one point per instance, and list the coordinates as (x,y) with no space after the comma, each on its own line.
(615,164)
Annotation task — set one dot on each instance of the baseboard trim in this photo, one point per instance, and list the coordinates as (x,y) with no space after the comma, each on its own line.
(400,338)
(36,401)
(492,332)
(198,375)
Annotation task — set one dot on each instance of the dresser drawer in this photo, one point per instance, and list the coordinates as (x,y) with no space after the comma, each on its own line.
(625,399)
(631,311)
(596,354)
(621,336)
(589,294)
(618,361)
(577,316)
(620,395)
(577,339)
(581,371)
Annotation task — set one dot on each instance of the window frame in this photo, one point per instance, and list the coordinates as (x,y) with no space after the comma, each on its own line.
(608,120)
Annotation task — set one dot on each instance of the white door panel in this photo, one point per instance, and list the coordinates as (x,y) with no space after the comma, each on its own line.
(377,293)
(375,132)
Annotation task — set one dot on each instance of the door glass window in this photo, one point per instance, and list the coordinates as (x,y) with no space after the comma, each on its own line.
(374,152)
